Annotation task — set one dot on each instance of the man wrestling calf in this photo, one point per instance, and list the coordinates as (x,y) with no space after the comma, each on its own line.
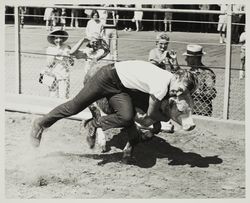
(117,82)
(177,108)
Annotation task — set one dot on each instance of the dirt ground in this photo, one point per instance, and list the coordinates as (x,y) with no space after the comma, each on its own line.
(196,164)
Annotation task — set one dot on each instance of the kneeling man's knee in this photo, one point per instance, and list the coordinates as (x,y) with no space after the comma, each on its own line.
(126,119)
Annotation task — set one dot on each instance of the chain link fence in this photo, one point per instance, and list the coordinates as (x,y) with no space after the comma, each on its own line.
(208,99)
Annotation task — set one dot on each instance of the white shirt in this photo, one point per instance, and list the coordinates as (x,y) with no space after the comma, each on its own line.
(93,27)
(144,76)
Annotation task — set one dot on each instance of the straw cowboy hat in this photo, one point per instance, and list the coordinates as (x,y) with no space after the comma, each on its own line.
(57,33)
(194,50)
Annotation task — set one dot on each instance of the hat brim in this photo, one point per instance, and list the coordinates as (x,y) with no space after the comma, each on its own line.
(187,54)
(57,33)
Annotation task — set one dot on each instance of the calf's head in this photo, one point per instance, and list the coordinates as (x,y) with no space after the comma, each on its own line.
(179,102)
(179,109)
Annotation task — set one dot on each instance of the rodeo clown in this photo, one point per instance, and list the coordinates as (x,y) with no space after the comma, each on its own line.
(114,81)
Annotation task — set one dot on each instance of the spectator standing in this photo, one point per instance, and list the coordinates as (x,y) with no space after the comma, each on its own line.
(206,91)
(110,32)
(242,20)
(103,14)
(236,18)
(168,17)
(204,17)
(49,16)
(94,25)
(222,24)
(242,41)
(126,17)
(157,17)
(22,13)
(63,18)
(75,14)
(58,63)
(57,14)
(138,18)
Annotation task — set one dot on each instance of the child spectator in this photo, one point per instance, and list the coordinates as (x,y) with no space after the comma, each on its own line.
(166,60)
(58,63)
(161,57)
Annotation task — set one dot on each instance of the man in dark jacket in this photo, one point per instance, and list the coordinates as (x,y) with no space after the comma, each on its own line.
(206,91)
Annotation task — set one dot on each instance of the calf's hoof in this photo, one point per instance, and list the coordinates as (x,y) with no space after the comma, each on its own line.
(127,155)
(91,133)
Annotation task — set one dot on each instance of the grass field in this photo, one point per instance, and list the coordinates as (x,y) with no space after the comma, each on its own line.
(131,45)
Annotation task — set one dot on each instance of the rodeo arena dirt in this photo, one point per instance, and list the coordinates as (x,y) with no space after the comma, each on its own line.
(202,160)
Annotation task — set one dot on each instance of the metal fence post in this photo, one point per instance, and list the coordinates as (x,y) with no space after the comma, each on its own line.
(227,62)
(17,50)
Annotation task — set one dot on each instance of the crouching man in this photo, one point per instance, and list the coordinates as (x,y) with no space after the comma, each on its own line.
(114,82)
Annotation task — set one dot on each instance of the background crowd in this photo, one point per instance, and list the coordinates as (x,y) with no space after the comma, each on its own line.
(138,20)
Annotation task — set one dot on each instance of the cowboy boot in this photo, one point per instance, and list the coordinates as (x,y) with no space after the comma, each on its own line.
(91,126)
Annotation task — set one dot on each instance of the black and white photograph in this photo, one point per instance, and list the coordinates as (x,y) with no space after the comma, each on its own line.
(124,100)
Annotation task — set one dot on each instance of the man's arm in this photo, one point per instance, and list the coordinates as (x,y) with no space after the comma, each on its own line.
(77,45)
(154,110)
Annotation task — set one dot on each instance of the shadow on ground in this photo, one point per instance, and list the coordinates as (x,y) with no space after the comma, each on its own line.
(146,154)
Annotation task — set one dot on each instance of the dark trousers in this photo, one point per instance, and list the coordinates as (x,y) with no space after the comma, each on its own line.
(105,83)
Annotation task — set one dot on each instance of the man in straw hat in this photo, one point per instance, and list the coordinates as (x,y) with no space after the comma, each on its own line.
(206,91)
